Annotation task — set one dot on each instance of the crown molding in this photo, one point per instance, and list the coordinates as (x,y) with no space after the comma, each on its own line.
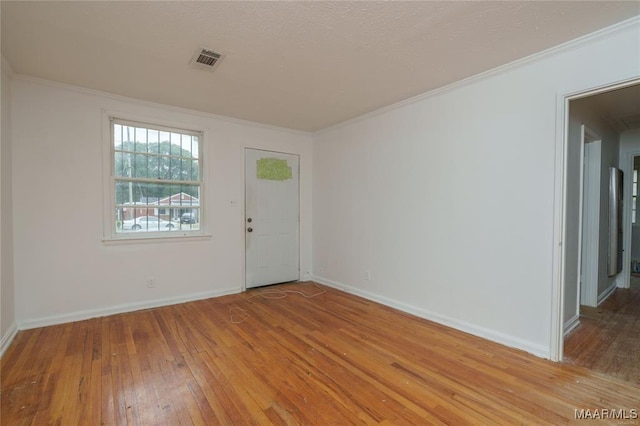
(632,23)
(150,104)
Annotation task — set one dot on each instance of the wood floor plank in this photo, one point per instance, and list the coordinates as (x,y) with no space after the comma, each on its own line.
(608,337)
(308,355)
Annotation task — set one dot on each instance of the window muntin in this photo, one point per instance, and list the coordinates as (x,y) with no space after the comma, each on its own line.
(156,180)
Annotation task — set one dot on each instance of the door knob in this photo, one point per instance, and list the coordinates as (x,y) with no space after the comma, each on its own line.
(249,229)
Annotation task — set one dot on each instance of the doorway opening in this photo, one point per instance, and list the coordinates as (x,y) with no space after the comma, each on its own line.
(601,246)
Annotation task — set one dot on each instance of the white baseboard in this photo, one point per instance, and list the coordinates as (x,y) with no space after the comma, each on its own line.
(8,338)
(118,309)
(570,325)
(485,333)
(608,292)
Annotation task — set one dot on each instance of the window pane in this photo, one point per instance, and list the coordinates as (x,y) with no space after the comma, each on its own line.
(189,219)
(147,165)
(188,169)
(154,138)
(140,136)
(162,169)
(155,166)
(143,166)
(195,146)
(164,201)
(120,161)
(147,223)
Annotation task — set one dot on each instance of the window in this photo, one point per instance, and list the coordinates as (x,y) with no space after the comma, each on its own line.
(156,177)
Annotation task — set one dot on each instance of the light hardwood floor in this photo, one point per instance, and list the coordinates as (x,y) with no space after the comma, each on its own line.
(250,359)
(608,338)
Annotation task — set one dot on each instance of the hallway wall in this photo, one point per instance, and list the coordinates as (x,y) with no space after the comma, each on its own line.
(444,206)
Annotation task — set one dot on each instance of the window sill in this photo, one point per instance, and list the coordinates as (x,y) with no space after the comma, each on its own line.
(153,240)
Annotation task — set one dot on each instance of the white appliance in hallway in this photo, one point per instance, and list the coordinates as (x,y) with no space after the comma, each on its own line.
(614,259)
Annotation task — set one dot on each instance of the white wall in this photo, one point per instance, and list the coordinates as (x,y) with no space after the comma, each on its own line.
(449,200)
(7,303)
(63,270)
(585,111)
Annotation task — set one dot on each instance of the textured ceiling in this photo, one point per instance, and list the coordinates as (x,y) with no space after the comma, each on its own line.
(301,65)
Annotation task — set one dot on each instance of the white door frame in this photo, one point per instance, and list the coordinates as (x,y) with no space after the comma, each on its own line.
(556,344)
(589,214)
(624,280)
(244,212)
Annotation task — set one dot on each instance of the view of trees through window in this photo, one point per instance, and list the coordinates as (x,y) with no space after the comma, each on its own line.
(157,178)
(167,162)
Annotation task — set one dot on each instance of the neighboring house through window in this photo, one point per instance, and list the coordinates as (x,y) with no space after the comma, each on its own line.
(156,180)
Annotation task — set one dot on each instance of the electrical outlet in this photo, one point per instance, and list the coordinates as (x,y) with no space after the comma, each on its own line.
(150,283)
(367,275)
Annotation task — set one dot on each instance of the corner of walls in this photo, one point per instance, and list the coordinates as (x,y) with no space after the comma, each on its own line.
(6,66)
(88,278)
(431,207)
(630,24)
(571,324)
(7,338)
(8,327)
(604,295)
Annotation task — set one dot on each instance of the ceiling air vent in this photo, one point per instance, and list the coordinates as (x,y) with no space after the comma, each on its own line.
(205,59)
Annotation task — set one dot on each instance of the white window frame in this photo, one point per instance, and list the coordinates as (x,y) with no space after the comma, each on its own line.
(111,236)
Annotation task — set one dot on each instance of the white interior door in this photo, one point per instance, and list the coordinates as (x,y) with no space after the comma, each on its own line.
(271,218)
